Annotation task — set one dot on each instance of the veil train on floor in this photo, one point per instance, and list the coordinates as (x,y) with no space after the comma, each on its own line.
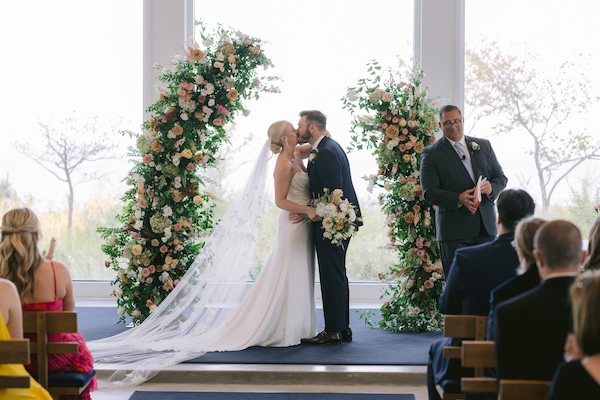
(183,325)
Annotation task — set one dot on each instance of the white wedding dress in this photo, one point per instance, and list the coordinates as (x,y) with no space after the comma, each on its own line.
(213,308)
(279,308)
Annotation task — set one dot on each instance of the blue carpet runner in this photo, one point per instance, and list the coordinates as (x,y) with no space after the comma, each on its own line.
(370,346)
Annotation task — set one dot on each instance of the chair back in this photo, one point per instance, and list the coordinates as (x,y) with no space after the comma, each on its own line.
(521,389)
(43,323)
(15,351)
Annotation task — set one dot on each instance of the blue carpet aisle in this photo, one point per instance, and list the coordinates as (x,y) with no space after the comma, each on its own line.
(265,396)
(369,347)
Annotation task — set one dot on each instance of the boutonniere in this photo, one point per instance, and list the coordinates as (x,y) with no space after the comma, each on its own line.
(475,146)
(312,156)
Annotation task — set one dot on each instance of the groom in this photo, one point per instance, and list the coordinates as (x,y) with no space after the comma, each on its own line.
(328,167)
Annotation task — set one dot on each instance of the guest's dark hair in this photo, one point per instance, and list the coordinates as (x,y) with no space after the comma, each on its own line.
(585,300)
(559,242)
(315,117)
(448,108)
(514,205)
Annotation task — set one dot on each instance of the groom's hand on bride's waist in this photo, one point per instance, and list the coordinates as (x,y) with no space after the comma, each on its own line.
(297,217)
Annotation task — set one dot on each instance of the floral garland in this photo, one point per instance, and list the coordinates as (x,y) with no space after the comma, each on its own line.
(166,212)
(400,123)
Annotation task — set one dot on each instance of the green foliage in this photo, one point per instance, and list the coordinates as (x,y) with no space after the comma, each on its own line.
(396,120)
(166,213)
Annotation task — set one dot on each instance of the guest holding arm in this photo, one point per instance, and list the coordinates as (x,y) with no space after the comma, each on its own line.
(43,285)
(529,277)
(11,327)
(450,169)
(580,379)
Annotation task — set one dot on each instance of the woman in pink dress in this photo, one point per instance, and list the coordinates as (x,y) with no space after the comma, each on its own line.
(43,285)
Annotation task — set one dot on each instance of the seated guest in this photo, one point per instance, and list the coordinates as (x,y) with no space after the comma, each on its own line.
(529,277)
(43,285)
(580,378)
(475,271)
(593,260)
(531,328)
(11,327)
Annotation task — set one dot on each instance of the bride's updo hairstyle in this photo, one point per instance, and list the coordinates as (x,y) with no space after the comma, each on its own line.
(19,253)
(276,132)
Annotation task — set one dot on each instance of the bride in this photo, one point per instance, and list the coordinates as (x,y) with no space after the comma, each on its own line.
(212,309)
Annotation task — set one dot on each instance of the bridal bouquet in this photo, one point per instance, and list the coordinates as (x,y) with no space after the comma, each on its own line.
(337,215)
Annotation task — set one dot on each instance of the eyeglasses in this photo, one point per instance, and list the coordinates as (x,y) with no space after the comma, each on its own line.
(448,124)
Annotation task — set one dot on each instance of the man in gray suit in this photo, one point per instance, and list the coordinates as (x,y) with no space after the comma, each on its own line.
(450,169)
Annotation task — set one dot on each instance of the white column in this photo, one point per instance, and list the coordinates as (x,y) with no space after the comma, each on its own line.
(439,47)
(168,25)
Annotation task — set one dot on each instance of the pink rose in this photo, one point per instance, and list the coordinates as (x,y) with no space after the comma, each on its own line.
(149,279)
(176,227)
(428,284)
(217,122)
(190,167)
(427,244)
(164,249)
(416,208)
(148,159)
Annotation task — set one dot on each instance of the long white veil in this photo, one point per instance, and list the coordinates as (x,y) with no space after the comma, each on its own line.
(183,325)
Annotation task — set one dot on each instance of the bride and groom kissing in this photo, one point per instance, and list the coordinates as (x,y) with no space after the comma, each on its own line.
(278,309)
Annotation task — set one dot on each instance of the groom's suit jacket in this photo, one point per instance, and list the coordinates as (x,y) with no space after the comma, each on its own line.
(330,169)
(444,177)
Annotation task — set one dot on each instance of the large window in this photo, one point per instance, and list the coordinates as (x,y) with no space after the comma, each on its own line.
(531,76)
(71,69)
(319,49)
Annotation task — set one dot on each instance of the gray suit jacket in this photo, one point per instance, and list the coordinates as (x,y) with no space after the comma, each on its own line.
(444,177)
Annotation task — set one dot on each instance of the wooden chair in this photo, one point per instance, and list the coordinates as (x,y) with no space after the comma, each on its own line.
(43,323)
(479,355)
(14,351)
(521,389)
(470,327)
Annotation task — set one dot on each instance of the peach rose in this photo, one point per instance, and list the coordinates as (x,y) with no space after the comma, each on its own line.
(177,130)
(196,54)
(392,131)
(232,94)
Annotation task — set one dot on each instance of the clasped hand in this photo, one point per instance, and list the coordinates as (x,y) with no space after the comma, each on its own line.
(467,198)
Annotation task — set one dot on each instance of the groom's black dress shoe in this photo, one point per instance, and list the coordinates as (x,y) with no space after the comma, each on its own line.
(347,335)
(324,338)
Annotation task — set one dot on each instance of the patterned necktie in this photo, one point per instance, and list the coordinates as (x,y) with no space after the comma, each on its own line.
(466,160)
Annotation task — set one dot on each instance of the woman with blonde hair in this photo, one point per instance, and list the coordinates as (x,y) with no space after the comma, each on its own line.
(580,378)
(593,259)
(43,285)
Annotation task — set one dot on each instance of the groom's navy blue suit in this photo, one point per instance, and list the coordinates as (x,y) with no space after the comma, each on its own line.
(330,169)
